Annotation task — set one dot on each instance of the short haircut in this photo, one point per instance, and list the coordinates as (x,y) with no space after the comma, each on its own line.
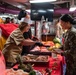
(23,25)
(66,18)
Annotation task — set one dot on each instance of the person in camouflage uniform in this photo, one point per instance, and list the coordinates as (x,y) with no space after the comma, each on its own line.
(69,46)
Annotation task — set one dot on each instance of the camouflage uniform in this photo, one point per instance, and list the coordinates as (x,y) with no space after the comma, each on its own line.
(70,51)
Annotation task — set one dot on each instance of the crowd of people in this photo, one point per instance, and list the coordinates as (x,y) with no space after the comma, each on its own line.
(69,46)
(21,40)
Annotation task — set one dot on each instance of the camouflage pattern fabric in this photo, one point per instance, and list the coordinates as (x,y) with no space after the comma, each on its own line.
(70,51)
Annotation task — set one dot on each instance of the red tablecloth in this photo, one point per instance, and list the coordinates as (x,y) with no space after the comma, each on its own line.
(56,64)
(59,61)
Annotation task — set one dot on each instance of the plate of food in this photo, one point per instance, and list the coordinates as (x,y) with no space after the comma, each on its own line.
(35,58)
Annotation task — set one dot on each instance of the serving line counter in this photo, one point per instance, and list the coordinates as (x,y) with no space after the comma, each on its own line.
(54,64)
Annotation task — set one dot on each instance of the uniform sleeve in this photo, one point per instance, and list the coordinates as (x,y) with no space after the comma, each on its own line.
(71,41)
(73,45)
(18,37)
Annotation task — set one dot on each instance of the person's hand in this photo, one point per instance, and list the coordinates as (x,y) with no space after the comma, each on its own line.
(35,39)
(57,51)
(39,44)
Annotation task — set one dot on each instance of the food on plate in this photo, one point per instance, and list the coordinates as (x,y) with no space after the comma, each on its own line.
(42,58)
(51,48)
(56,40)
(40,49)
(17,72)
(35,58)
(43,42)
(22,66)
(57,45)
(29,57)
(37,48)
(48,43)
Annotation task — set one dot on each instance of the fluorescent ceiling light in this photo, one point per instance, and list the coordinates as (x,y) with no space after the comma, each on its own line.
(40,1)
(19,6)
(43,11)
(50,10)
(35,13)
(72,9)
(28,10)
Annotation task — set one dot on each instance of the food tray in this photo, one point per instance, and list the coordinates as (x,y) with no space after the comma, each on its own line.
(40,53)
(35,59)
(36,62)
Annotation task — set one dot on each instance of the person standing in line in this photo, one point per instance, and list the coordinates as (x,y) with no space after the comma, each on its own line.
(69,46)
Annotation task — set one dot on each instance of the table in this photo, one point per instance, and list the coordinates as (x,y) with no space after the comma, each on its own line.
(56,64)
